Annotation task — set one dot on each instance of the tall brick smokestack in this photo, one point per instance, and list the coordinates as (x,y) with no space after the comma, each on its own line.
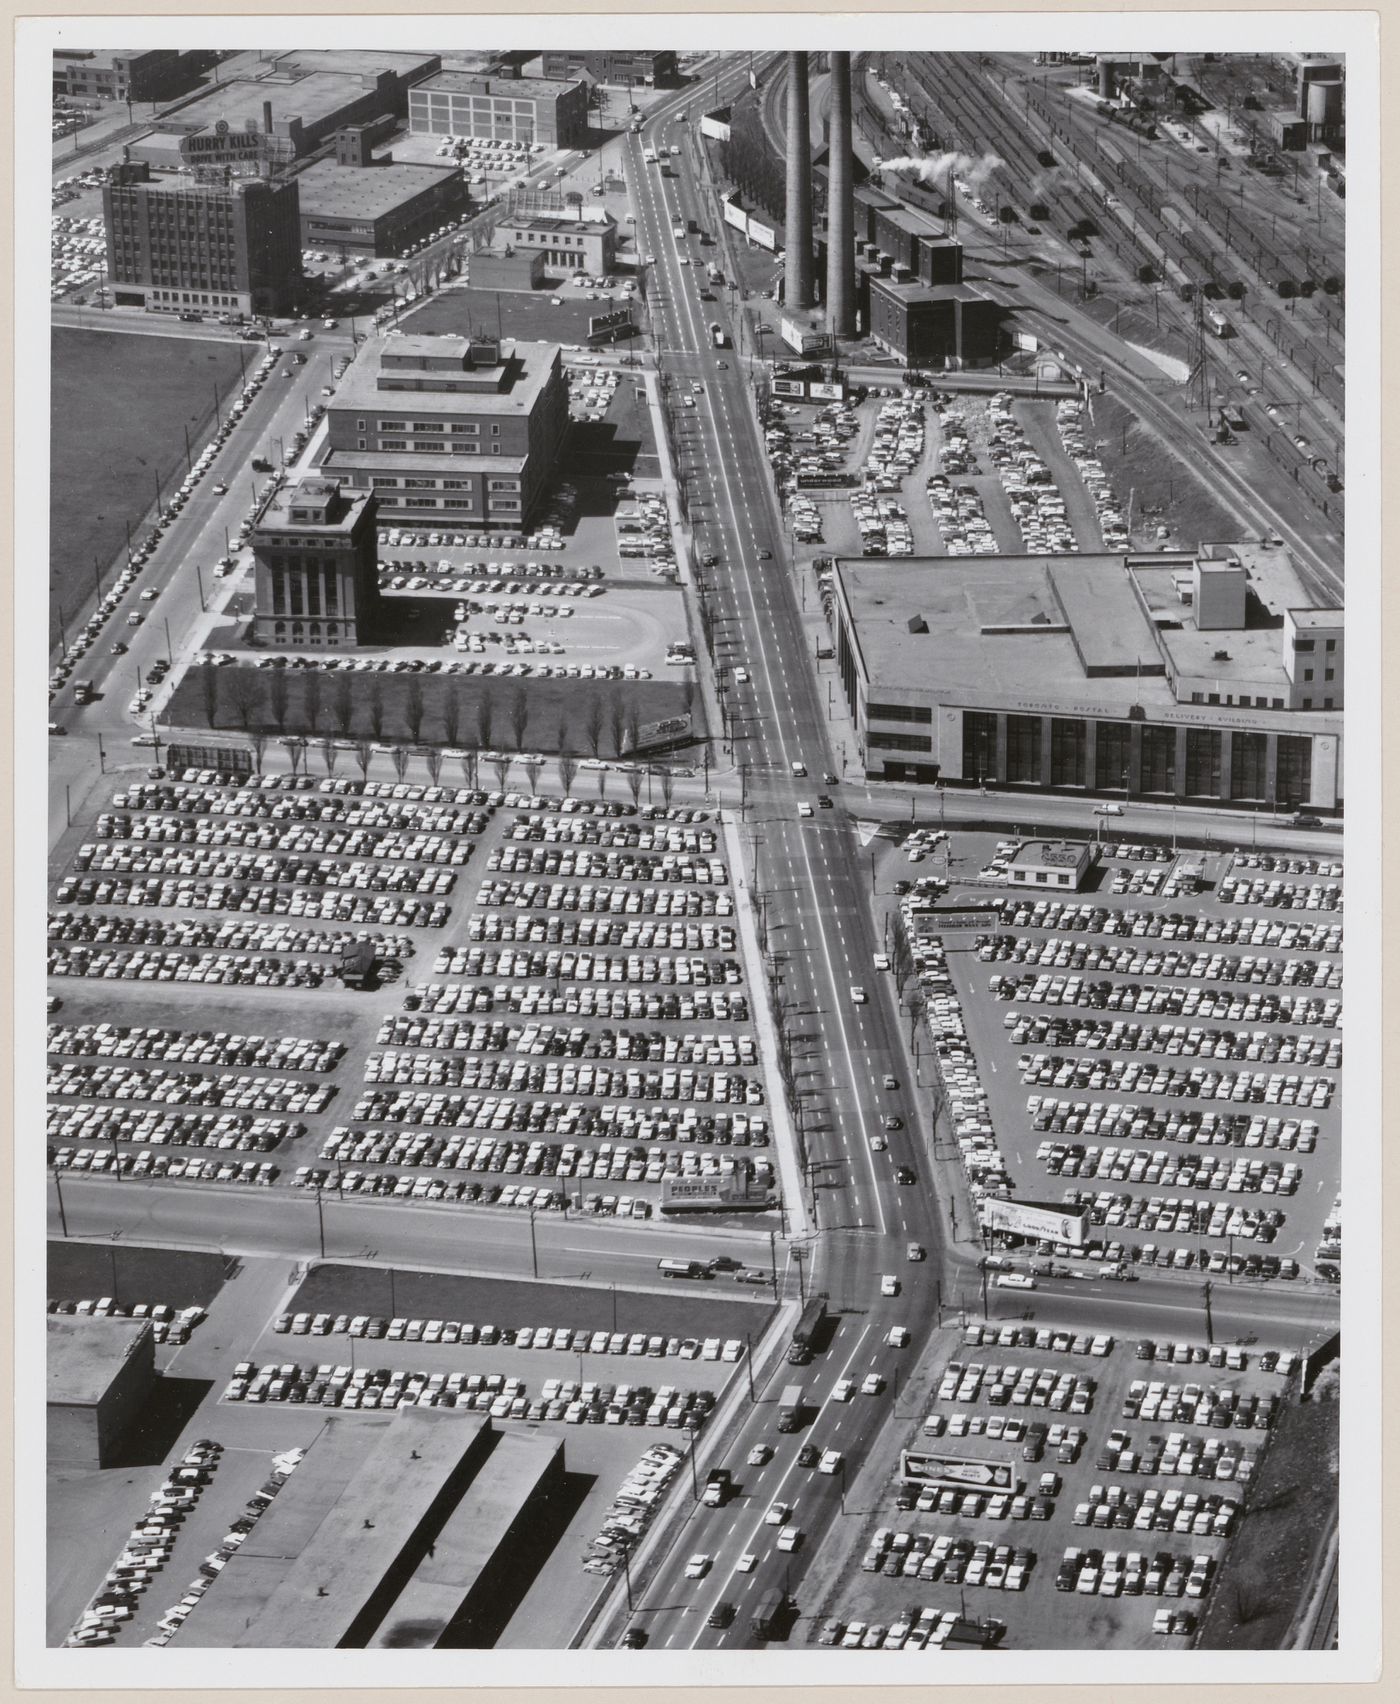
(840,212)
(798,214)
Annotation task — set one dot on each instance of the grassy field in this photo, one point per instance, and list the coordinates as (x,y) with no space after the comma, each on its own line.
(1136,459)
(120,409)
(183,1278)
(552,705)
(509,1302)
(1270,1562)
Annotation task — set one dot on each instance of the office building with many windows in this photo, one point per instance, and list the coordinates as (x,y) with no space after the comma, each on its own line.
(178,245)
(458,430)
(510,109)
(1209,676)
(315,567)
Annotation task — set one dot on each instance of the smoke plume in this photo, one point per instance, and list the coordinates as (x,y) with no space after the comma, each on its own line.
(973,169)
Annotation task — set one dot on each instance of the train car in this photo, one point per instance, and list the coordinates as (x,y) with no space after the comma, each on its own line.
(1179,279)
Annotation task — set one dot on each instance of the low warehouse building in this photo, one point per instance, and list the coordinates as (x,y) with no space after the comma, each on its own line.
(1062,864)
(100,1376)
(376,207)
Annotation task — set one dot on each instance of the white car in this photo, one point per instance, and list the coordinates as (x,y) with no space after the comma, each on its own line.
(1109,809)
(872,1384)
(889,1284)
(789,1538)
(804,809)
(898,1337)
(747,1562)
(741,674)
(844,1390)
(831,1462)
(698,1566)
(777,1514)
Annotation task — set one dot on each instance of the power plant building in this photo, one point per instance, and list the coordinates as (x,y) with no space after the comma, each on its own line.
(510,109)
(179,245)
(1091,674)
(454,430)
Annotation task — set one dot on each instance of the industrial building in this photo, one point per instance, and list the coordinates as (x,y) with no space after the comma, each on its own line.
(375,206)
(316,566)
(465,431)
(1172,676)
(630,67)
(100,1374)
(460,1594)
(118,74)
(393,1533)
(302,108)
(568,244)
(179,244)
(933,325)
(530,109)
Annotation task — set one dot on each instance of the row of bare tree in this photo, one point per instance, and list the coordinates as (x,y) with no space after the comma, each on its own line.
(341,705)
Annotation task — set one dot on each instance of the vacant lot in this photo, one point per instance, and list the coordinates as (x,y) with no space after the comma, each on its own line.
(181,1278)
(121,406)
(502,1302)
(383,706)
(1270,1563)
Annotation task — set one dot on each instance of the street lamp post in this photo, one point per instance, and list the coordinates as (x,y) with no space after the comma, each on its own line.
(58,1189)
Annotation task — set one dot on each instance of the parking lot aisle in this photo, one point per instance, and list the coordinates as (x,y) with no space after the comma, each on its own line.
(254,1293)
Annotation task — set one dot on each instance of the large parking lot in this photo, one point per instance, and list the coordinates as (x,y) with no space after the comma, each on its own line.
(1162,1049)
(1122,1469)
(559,1012)
(944,474)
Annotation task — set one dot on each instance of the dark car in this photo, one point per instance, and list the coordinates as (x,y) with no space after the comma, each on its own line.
(721,1615)
(634,1638)
(824,800)
(765,556)
(725,1263)
(830,779)
(1302,820)
(893,1122)
(808,1456)
(906,1174)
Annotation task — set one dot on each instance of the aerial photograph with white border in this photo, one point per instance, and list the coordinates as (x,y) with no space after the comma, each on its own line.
(694,1024)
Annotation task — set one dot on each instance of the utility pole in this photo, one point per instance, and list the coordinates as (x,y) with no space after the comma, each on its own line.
(1205,1291)
(62,1216)
(534,1255)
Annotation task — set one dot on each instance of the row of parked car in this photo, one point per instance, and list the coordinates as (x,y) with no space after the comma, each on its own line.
(1189,1456)
(194,1047)
(1175,1040)
(1142,1121)
(521,1076)
(594,931)
(1077,436)
(1286,896)
(588,1000)
(249,895)
(148,1548)
(632,1509)
(1202,1514)
(1156,1400)
(576,1042)
(1047,989)
(306,839)
(1191,1171)
(1179,1215)
(674,1122)
(240,1131)
(150,966)
(501,1396)
(627,901)
(230,934)
(1115,1574)
(1081,917)
(1148,1078)
(916,1630)
(244,1094)
(265,869)
(168,1323)
(956,1561)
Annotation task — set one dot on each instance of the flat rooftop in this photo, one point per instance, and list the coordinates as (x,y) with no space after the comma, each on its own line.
(559,222)
(344,462)
(84,1355)
(1051,854)
(357,62)
(529,367)
(1231,655)
(912,292)
(346,508)
(365,192)
(913,220)
(313,99)
(1010,631)
(473,83)
(469,1541)
(987,625)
